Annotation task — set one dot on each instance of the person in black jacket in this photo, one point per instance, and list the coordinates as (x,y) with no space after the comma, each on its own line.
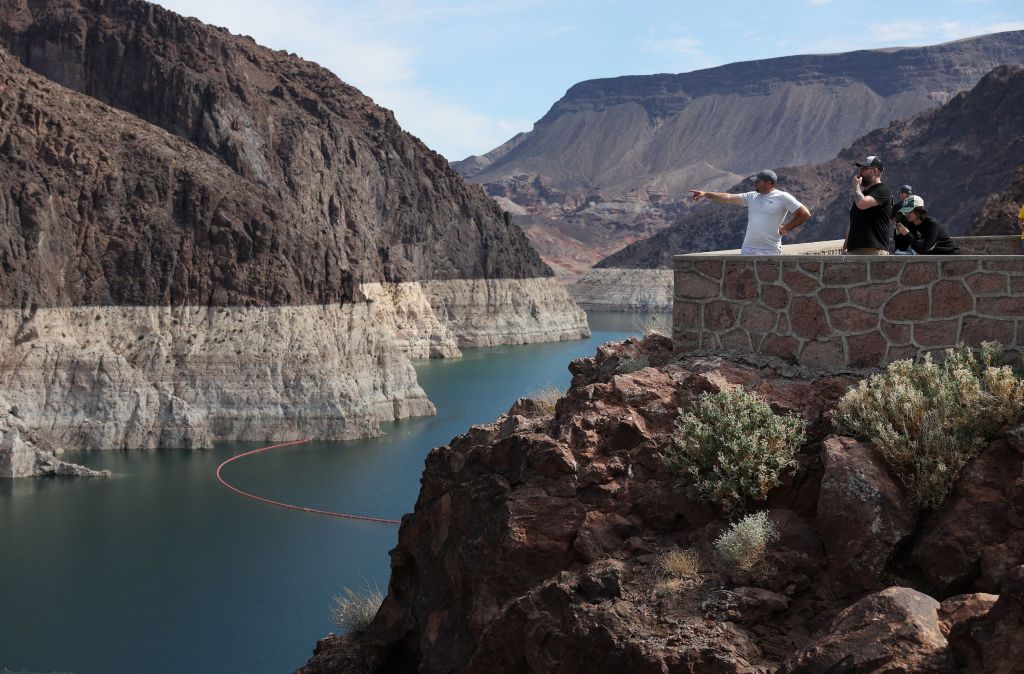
(922,233)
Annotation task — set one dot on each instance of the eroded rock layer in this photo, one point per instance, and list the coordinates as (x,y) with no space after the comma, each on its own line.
(136,377)
(624,290)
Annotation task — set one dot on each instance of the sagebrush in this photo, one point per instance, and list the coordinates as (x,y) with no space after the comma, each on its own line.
(743,546)
(928,420)
(731,448)
(354,611)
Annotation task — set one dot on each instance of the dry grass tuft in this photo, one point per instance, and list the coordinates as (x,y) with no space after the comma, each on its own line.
(653,324)
(547,396)
(354,611)
(682,568)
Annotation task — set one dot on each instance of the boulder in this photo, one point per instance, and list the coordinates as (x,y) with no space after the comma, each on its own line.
(863,515)
(969,543)
(895,630)
(991,641)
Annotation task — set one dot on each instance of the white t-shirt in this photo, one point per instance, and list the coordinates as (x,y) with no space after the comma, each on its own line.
(765,212)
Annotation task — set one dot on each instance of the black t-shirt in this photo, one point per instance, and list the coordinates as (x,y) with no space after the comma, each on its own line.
(928,238)
(869,228)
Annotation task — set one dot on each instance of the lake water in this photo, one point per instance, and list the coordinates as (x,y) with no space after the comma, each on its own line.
(161,569)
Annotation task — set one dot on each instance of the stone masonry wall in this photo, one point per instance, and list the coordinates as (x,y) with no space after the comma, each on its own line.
(833,312)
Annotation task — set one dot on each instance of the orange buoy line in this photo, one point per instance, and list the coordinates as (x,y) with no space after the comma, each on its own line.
(315,511)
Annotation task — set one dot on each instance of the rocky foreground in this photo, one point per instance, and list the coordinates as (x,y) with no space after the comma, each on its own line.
(537,540)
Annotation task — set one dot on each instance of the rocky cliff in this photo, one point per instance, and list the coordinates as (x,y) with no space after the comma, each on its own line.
(611,161)
(187,223)
(955,157)
(538,544)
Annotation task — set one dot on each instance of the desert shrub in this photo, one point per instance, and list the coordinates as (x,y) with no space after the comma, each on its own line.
(928,420)
(742,547)
(681,569)
(354,611)
(547,396)
(731,448)
(632,364)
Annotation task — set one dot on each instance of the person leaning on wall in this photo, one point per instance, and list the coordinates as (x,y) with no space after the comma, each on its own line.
(922,235)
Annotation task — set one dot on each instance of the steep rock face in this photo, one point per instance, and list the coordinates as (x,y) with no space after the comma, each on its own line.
(998,214)
(954,157)
(143,377)
(611,161)
(334,191)
(537,545)
(22,454)
(177,175)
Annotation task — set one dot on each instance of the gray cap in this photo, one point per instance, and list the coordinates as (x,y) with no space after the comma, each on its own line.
(907,188)
(766,175)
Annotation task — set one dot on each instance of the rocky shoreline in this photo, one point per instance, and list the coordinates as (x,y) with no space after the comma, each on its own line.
(536,546)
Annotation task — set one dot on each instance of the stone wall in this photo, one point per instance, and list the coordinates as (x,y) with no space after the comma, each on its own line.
(836,312)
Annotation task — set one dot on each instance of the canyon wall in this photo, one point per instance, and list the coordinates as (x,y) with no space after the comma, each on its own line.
(202,239)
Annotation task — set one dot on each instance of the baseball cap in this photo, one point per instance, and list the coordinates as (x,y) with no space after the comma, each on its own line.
(870,160)
(766,175)
(910,203)
(906,188)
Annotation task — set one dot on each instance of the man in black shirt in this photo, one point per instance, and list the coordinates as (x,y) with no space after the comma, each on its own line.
(923,234)
(869,215)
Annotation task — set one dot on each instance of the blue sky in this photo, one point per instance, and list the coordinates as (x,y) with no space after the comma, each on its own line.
(465,76)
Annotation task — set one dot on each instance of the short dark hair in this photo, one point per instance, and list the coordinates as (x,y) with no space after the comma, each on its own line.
(920,211)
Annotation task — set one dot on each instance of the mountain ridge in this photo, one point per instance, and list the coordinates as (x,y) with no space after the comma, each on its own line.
(973,143)
(611,161)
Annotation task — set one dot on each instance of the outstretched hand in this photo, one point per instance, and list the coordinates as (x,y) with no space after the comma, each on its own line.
(697,195)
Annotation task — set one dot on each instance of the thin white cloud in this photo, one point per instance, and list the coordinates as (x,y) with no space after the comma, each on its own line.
(453,130)
(686,50)
(927,32)
(817,3)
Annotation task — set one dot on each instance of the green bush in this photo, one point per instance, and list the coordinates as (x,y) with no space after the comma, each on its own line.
(733,448)
(742,547)
(928,420)
(354,611)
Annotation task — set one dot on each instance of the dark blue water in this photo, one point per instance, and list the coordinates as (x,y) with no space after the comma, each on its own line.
(161,569)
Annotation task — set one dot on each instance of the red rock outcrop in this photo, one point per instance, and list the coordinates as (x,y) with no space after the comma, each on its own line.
(895,630)
(537,543)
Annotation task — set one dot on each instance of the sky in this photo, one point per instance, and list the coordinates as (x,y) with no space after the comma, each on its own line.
(466,75)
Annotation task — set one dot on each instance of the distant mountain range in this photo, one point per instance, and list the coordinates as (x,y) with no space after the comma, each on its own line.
(611,161)
(964,159)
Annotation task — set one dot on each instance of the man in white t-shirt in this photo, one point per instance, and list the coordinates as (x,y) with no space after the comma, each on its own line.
(771,213)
